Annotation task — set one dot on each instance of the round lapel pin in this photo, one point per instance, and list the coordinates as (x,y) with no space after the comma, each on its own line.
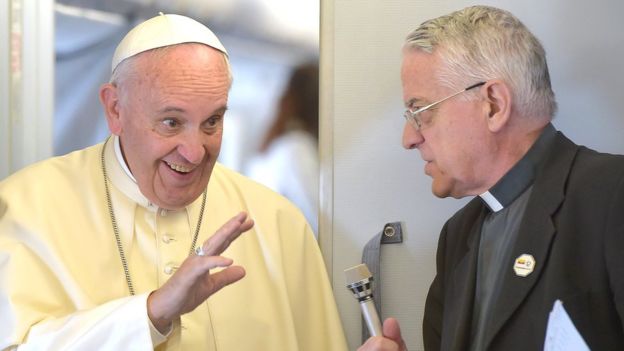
(524,265)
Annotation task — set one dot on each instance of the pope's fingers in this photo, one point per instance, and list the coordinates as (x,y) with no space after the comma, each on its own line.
(226,277)
(205,263)
(231,230)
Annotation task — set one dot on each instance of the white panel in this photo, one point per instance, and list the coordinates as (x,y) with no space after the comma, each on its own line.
(26,84)
(5,53)
(37,82)
(374,181)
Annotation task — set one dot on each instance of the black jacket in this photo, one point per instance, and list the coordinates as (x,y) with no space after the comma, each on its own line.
(573,227)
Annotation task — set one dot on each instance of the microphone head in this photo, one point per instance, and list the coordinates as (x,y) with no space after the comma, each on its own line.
(360,282)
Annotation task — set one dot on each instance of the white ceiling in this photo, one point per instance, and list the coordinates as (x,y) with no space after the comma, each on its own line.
(287,22)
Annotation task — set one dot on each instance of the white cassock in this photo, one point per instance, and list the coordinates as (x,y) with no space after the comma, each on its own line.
(62,285)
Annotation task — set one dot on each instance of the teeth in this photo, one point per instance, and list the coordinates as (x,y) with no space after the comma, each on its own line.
(178,167)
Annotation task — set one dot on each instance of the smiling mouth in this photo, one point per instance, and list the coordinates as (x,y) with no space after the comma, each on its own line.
(178,168)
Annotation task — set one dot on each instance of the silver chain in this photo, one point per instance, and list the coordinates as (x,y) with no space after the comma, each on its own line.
(122,254)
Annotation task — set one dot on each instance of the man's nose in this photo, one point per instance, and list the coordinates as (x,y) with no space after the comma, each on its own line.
(412,137)
(192,147)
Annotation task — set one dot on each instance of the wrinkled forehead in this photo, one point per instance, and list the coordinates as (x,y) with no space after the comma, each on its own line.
(179,64)
(180,60)
(417,63)
(420,76)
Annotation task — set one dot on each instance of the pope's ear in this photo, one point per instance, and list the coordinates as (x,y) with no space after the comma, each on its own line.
(498,104)
(109,98)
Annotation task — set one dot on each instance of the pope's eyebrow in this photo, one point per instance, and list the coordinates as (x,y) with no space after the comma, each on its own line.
(221,110)
(171,109)
(167,109)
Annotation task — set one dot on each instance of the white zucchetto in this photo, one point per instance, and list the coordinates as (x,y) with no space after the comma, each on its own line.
(164,30)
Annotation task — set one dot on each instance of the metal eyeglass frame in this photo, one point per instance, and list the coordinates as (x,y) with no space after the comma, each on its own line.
(413,117)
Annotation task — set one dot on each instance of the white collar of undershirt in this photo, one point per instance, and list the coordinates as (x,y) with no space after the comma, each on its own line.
(120,158)
(491,201)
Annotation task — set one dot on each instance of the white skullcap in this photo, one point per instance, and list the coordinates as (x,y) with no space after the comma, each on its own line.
(164,30)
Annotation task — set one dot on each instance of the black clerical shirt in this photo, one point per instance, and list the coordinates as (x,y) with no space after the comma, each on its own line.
(507,201)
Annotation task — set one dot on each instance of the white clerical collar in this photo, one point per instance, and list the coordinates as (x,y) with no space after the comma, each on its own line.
(120,157)
(491,201)
(521,176)
(120,175)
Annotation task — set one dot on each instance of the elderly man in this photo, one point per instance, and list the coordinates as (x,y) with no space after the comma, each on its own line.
(547,224)
(112,247)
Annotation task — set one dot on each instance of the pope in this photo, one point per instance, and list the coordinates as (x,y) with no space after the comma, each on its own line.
(128,244)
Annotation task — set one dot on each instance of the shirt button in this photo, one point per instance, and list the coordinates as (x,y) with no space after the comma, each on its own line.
(163,212)
(167,239)
(170,268)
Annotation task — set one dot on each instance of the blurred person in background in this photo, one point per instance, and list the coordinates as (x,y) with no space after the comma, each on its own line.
(288,158)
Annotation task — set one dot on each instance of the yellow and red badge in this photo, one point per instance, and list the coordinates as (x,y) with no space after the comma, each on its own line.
(524,265)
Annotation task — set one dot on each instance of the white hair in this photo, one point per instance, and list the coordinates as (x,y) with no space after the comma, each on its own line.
(480,43)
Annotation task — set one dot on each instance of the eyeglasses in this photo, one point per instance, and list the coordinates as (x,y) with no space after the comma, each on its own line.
(414,118)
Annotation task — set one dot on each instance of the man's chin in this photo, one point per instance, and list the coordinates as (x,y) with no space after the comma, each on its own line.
(440,190)
(447,191)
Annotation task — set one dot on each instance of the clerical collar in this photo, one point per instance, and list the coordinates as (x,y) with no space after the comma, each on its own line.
(120,157)
(521,175)
(120,176)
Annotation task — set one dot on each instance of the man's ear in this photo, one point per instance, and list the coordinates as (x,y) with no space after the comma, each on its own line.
(109,97)
(497,104)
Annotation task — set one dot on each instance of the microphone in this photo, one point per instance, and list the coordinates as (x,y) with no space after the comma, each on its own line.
(359,281)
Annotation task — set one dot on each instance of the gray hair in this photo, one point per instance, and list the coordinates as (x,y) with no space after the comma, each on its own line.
(126,68)
(480,43)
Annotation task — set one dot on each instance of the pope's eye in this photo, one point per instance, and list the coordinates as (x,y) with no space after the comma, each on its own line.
(170,122)
(212,121)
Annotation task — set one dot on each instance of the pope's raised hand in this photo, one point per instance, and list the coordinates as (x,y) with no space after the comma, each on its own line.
(193,283)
